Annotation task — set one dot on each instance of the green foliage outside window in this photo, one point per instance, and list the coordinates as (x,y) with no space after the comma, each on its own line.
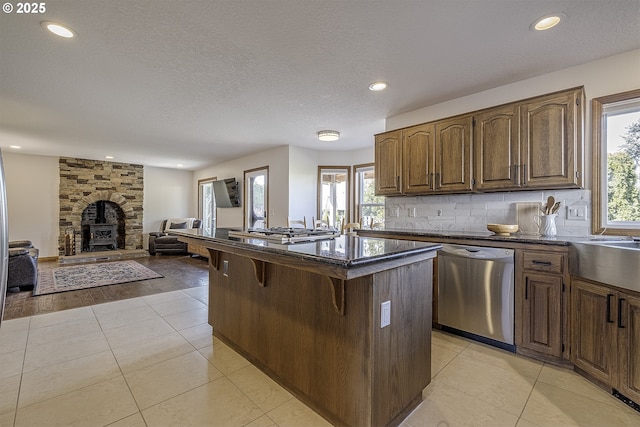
(623,178)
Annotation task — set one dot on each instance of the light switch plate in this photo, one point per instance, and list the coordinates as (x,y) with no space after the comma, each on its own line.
(385,314)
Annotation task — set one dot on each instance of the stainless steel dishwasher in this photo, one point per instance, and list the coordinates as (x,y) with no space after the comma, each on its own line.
(476,293)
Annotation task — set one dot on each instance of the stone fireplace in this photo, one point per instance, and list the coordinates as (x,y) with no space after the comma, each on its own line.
(95,194)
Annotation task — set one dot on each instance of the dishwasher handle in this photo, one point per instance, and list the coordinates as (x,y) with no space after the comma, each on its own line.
(477,252)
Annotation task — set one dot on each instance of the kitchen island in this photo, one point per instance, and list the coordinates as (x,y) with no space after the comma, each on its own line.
(309,315)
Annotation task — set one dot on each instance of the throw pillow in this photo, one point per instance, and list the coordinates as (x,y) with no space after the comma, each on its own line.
(178,226)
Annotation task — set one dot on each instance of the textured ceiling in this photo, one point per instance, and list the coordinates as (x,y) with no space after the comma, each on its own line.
(161,82)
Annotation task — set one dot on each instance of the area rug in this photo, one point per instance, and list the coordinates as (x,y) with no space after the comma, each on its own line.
(71,278)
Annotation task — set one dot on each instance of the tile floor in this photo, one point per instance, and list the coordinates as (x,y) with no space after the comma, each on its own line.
(152,361)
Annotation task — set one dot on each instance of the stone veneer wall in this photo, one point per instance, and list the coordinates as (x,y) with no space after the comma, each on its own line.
(83,182)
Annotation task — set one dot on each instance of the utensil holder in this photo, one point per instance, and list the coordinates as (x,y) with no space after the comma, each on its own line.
(546,224)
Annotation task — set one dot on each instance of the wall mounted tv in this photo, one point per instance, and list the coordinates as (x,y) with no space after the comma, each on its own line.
(226,193)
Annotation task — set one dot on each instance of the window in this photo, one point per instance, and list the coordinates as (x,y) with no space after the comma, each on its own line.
(369,207)
(207,204)
(256,192)
(616,164)
(333,195)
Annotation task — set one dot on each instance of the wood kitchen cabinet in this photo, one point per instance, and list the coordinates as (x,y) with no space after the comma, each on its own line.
(535,143)
(425,159)
(606,335)
(540,302)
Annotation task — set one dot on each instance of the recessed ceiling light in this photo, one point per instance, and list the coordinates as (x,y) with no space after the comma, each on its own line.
(328,135)
(179,165)
(109,157)
(59,29)
(17,147)
(548,21)
(378,86)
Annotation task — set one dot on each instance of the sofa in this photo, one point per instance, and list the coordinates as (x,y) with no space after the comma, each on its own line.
(160,242)
(22,268)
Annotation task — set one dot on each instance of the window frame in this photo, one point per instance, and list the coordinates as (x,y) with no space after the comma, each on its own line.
(248,205)
(599,166)
(358,204)
(202,182)
(342,169)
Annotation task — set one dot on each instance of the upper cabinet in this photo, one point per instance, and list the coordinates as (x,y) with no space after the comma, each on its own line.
(531,144)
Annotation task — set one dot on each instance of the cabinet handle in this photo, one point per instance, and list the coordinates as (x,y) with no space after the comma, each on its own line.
(526,288)
(398,182)
(620,313)
(431,182)
(547,263)
(515,174)
(609,296)
(438,180)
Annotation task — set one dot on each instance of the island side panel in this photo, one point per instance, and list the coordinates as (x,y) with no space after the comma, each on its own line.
(291,330)
(402,363)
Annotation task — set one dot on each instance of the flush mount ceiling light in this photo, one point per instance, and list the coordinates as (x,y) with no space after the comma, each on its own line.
(58,29)
(548,21)
(15,147)
(109,157)
(328,135)
(378,86)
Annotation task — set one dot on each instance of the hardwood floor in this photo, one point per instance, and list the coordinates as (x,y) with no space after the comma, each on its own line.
(179,271)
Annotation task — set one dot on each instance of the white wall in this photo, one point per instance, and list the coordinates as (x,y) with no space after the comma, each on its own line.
(33,207)
(32,200)
(168,193)
(611,75)
(277,160)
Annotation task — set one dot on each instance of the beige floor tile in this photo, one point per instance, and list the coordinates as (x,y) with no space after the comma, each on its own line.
(62,331)
(6,420)
(59,317)
(552,406)
(97,405)
(440,357)
(11,363)
(134,420)
(153,350)
(113,320)
(13,339)
(503,359)
(294,413)
(524,423)
(126,335)
(9,389)
(263,421)
(165,297)
(493,385)
(200,293)
(177,306)
(38,356)
(199,336)
(13,325)
(444,405)
(115,306)
(164,380)
(573,382)
(55,380)
(261,389)
(218,403)
(449,341)
(223,357)
(188,319)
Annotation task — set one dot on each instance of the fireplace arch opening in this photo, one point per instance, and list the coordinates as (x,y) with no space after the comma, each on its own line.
(103,227)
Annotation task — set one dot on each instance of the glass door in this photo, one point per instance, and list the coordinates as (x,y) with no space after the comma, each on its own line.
(207,204)
(256,193)
(333,195)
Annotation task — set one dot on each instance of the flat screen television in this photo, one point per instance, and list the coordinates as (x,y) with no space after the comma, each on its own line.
(226,193)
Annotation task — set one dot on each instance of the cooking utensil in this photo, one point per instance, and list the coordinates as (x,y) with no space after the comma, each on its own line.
(550,202)
(555,208)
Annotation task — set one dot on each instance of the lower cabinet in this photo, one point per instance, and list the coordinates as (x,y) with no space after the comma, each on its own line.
(606,335)
(539,317)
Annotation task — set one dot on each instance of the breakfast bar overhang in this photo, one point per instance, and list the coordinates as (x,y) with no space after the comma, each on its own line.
(309,315)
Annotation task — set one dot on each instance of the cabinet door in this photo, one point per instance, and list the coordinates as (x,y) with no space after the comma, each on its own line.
(629,346)
(594,340)
(542,326)
(388,152)
(496,148)
(453,155)
(551,138)
(418,153)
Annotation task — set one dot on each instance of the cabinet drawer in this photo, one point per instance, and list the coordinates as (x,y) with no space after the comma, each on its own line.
(540,261)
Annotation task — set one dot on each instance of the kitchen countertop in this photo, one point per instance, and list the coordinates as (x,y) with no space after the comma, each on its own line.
(342,251)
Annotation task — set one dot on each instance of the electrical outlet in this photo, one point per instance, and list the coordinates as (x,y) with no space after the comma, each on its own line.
(385,314)
(439,212)
(412,212)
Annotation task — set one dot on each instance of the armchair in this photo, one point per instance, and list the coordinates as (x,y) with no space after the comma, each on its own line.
(22,269)
(161,242)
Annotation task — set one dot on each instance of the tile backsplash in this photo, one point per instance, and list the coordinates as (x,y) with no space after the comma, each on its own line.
(472,212)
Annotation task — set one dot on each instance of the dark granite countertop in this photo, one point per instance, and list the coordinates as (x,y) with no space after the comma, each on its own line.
(342,251)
